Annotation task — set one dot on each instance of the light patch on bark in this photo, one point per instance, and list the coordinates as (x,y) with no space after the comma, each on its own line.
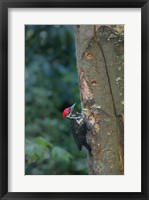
(86,93)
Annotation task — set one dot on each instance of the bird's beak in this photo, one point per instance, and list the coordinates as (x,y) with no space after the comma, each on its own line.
(70,113)
(72,107)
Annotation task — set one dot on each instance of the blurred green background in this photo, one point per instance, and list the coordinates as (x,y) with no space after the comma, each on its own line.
(51,84)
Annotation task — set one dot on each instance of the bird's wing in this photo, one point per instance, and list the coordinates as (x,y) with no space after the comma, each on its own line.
(76,134)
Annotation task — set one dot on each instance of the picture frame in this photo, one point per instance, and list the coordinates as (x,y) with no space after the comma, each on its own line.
(4,6)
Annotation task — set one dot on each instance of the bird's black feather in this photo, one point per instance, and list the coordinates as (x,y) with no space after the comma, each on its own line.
(79,131)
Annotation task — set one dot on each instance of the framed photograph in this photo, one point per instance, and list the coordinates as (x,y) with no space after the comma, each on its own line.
(74,99)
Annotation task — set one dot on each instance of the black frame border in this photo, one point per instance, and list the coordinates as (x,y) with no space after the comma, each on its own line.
(4,6)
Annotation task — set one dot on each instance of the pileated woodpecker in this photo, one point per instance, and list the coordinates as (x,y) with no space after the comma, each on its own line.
(79,127)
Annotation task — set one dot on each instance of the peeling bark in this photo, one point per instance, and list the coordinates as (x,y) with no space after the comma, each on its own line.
(101,79)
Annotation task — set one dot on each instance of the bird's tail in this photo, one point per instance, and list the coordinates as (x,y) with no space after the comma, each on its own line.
(88,147)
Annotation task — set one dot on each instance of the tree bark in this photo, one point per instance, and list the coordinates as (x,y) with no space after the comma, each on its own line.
(99,52)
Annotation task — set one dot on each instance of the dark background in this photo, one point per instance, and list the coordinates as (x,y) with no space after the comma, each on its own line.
(51,85)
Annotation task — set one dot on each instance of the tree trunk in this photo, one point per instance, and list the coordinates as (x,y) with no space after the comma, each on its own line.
(99,51)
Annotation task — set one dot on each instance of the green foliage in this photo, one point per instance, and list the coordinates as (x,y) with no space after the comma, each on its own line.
(51,84)
(60,154)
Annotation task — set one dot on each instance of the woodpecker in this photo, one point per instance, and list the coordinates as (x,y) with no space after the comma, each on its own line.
(79,127)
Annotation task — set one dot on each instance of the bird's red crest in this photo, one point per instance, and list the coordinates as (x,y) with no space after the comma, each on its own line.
(66,112)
